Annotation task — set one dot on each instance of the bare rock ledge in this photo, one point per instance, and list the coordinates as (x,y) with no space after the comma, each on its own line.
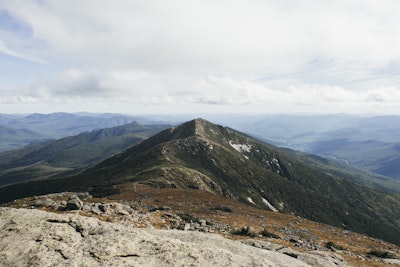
(30,237)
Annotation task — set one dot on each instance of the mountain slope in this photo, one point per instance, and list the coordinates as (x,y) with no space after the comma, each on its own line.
(367,142)
(12,138)
(17,131)
(45,160)
(340,169)
(201,155)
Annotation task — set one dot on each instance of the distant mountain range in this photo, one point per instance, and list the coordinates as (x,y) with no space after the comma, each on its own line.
(12,138)
(53,158)
(369,142)
(204,156)
(17,131)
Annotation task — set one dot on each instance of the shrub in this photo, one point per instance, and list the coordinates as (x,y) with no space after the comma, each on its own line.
(267,233)
(381,254)
(333,245)
(222,208)
(188,218)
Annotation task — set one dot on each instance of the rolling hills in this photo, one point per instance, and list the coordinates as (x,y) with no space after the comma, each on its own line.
(17,131)
(12,138)
(51,158)
(203,156)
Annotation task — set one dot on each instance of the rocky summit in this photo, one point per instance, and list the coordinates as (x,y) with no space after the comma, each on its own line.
(148,227)
(32,237)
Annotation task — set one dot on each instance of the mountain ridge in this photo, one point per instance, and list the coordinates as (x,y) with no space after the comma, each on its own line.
(204,156)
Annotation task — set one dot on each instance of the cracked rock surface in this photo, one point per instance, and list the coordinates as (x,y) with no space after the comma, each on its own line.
(30,237)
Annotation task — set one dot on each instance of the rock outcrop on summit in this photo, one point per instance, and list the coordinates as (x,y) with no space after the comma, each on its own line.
(32,237)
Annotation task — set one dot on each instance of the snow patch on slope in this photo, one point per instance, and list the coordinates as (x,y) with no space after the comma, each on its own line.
(269,205)
(250,200)
(240,147)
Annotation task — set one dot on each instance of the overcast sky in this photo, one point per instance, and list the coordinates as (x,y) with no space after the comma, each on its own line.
(203,56)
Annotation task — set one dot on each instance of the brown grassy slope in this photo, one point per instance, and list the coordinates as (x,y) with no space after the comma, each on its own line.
(202,205)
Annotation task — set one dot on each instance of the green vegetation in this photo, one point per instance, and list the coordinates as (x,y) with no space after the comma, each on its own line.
(269,234)
(381,254)
(69,153)
(223,208)
(247,231)
(339,169)
(333,245)
(17,131)
(188,218)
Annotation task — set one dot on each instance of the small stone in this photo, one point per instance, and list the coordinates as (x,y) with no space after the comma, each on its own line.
(187,227)
(95,209)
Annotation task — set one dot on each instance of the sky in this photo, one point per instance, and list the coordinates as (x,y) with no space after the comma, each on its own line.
(214,56)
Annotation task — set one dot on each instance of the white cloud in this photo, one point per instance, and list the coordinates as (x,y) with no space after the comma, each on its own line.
(127,88)
(217,52)
(228,34)
(5,50)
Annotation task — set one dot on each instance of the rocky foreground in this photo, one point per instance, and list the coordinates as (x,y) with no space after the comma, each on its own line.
(161,228)
(30,237)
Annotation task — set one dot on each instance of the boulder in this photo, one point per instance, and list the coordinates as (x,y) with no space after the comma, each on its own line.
(74,203)
(122,209)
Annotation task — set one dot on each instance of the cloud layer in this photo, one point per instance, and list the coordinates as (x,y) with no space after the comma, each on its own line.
(297,53)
